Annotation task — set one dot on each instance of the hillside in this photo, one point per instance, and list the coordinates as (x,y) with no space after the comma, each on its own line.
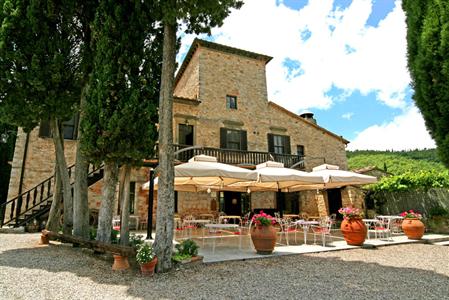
(396,162)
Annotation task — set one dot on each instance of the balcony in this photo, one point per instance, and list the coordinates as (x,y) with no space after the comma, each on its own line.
(239,157)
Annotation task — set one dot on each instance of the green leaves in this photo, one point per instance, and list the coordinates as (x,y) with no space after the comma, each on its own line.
(423,180)
(428,62)
(38,61)
(121,103)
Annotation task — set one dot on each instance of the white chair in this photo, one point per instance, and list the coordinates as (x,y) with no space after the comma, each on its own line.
(324,229)
(188,225)
(333,218)
(116,223)
(286,227)
(382,229)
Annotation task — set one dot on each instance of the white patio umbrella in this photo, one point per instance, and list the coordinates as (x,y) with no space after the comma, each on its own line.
(202,172)
(334,178)
(273,176)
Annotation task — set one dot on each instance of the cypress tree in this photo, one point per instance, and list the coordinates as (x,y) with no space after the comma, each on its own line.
(428,62)
(39,72)
(119,126)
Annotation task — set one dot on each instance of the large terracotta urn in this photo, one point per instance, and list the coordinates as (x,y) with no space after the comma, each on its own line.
(147,269)
(413,228)
(264,239)
(354,231)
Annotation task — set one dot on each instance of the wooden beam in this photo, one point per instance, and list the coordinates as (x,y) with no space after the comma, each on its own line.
(95,245)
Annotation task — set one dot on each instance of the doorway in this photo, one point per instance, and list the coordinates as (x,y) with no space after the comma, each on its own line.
(334,201)
(233,203)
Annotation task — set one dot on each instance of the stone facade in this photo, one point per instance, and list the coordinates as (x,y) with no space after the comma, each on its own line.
(209,73)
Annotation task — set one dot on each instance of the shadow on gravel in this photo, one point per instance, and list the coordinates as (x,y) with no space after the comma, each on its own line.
(288,277)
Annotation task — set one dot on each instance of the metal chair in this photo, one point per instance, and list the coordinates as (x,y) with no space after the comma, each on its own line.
(324,229)
(286,227)
(382,229)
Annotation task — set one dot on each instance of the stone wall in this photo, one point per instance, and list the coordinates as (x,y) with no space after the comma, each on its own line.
(392,203)
(39,162)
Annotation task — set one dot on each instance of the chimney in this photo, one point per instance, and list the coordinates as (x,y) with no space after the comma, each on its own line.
(308,116)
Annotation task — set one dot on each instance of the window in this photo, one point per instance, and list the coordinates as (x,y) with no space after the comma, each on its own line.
(185,134)
(132,197)
(231,102)
(69,128)
(279,144)
(233,139)
(300,150)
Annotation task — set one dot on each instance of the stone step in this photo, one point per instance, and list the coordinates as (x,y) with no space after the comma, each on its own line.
(443,243)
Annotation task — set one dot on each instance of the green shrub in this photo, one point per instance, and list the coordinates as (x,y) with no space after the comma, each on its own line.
(135,240)
(92,233)
(114,236)
(145,253)
(180,257)
(438,211)
(188,247)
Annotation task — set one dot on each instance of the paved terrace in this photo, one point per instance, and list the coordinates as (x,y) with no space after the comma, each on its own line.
(230,247)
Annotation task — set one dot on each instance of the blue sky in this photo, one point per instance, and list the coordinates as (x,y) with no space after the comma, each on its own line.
(344,60)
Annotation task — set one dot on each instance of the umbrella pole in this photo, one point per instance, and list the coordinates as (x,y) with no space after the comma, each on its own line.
(150,206)
(280,199)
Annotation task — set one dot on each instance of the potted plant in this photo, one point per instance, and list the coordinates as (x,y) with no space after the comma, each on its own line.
(147,259)
(412,225)
(186,251)
(263,234)
(352,227)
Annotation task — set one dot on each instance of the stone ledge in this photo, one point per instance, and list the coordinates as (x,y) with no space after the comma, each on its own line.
(6,229)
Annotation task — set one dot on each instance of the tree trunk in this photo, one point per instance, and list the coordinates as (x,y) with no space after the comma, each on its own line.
(163,243)
(55,209)
(107,202)
(80,201)
(124,220)
(65,178)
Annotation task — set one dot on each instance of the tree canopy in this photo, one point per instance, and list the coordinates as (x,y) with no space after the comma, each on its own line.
(121,103)
(428,62)
(38,62)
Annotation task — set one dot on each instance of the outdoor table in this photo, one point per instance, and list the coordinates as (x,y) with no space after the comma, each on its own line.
(395,222)
(206,216)
(305,227)
(196,221)
(390,217)
(291,216)
(369,223)
(224,226)
(225,219)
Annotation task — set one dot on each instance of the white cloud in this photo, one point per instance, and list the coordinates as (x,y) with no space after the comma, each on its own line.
(376,61)
(405,132)
(347,116)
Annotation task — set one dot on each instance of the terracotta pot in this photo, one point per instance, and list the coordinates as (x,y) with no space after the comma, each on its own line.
(264,239)
(413,228)
(148,268)
(120,263)
(354,231)
(44,239)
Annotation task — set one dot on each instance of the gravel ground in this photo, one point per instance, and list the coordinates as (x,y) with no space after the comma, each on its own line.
(412,271)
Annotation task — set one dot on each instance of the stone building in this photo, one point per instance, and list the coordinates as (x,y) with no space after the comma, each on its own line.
(221,106)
